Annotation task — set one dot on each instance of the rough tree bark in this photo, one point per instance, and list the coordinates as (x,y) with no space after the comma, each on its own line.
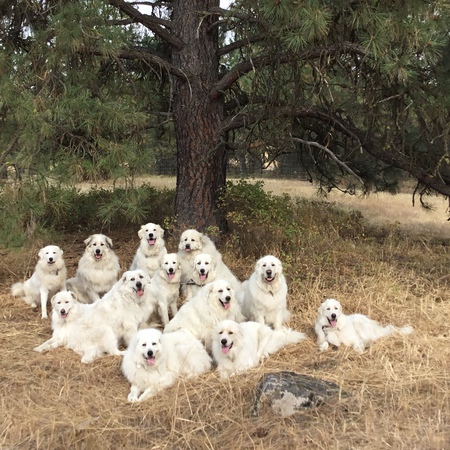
(201,158)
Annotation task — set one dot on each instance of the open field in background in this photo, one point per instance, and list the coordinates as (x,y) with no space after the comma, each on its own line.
(399,388)
(378,209)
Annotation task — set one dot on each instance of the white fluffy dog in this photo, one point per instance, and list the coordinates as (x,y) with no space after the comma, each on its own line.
(165,286)
(191,244)
(49,277)
(154,361)
(115,317)
(65,313)
(237,347)
(355,330)
(214,302)
(264,296)
(151,249)
(204,272)
(97,269)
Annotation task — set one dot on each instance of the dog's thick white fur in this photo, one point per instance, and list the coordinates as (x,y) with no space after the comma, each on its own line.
(237,347)
(49,277)
(165,286)
(97,270)
(191,244)
(154,361)
(214,302)
(152,249)
(65,314)
(204,272)
(355,330)
(114,318)
(265,292)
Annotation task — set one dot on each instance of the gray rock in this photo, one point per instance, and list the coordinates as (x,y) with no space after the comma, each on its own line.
(289,392)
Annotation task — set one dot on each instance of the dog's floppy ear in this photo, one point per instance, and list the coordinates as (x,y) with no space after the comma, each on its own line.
(52,300)
(141,232)
(73,295)
(109,241)
(41,253)
(320,309)
(88,240)
(210,288)
(160,231)
(124,276)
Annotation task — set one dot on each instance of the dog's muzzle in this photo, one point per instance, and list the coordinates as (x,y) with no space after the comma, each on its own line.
(227,302)
(139,289)
(225,346)
(269,277)
(150,357)
(98,253)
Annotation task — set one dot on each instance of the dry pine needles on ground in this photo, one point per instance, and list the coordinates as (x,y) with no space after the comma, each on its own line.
(399,387)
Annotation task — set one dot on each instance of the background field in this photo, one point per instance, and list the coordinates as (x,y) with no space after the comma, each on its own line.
(395,271)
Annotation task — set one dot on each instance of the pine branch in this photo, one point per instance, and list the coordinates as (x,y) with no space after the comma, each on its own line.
(147,56)
(154,24)
(249,65)
(332,156)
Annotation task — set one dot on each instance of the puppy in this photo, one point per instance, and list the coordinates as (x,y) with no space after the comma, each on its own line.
(97,269)
(49,277)
(165,286)
(65,313)
(264,293)
(203,273)
(191,244)
(152,249)
(237,347)
(214,302)
(355,330)
(114,318)
(154,361)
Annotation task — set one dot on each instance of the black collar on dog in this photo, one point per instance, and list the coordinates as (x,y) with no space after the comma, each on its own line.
(191,283)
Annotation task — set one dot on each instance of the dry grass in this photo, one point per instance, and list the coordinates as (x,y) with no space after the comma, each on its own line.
(399,388)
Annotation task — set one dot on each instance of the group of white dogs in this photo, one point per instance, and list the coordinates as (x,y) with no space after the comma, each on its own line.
(222,322)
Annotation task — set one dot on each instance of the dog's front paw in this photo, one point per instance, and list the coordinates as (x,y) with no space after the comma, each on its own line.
(132,397)
(324,346)
(38,349)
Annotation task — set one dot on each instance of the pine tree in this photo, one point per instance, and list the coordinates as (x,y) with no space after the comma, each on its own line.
(355,89)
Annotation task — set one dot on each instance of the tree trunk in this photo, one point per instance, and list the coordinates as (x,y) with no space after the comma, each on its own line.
(201,170)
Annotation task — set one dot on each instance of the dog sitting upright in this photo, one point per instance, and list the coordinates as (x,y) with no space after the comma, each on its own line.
(49,277)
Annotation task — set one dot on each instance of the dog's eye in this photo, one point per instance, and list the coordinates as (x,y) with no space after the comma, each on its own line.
(206,263)
(153,343)
(220,332)
(230,332)
(144,345)
(58,303)
(220,291)
(328,309)
(132,279)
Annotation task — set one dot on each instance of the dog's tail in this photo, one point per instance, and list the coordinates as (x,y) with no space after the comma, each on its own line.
(282,337)
(405,330)
(17,290)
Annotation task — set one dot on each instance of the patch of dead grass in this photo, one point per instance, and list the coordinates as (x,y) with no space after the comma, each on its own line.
(399,388)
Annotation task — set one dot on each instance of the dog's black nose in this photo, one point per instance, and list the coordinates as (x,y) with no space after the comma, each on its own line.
(188,246)
(150,353)
(224,342)
(63,311)
(50,259)
(150,235)
(227,298)
(268,272)
(138,284)
(97,250)
(170,270)
(333,316)
(202,271)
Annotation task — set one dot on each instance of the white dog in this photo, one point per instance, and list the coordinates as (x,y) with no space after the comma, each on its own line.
(97,269)
(114,318)
(264,296)
(49,277)
(191,244)
(214,302)
(65,313)
(237,347)
(165,286)
(152,249)
(203,273)
(355,330)
(154,361)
